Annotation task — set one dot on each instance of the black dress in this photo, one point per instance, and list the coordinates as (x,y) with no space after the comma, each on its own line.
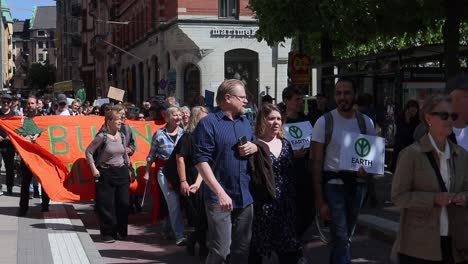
(274,224)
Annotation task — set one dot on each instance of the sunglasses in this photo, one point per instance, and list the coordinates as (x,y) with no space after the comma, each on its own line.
(6,101)
(445,115)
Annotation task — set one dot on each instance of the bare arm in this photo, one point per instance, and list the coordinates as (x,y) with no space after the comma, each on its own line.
(207,174)
(184,187)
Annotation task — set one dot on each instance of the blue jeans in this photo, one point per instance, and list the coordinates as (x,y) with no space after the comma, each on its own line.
(173,205)
(344,213)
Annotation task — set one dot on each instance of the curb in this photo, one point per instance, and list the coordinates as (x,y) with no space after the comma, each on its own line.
(88,244)
(378,228)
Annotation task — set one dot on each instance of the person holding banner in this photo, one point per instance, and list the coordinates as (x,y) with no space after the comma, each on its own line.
(430,185)
(162,145)
(26,173)
(339,194)
(109,162)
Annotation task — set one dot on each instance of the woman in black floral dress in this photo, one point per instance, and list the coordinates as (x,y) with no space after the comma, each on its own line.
(274,221)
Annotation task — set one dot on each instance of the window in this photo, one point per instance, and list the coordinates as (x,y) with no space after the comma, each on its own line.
(41,33)
(229,8)
(40,45)
(41,57)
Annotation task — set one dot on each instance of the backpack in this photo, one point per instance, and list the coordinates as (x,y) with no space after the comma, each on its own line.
(101,147)
(329,126)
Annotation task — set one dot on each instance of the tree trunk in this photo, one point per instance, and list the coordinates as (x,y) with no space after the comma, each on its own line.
(452,37)
(326,54)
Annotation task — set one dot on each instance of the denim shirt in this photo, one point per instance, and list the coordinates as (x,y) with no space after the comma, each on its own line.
(162,144)
(216,142)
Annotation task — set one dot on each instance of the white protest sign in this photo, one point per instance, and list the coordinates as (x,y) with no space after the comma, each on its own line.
(116,93)
(101,101)
(298,134)
(358,150)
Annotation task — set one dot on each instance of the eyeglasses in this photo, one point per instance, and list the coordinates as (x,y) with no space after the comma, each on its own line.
(240,98)
(6,101)
(445,115)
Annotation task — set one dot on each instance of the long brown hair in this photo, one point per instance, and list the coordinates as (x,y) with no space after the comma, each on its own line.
(262,115)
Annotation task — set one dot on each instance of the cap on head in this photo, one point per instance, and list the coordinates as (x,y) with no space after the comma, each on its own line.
(7,97)
(61,98)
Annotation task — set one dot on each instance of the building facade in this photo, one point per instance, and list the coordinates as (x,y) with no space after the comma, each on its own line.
(187,48)
(68,39)
(42,35)
(20,54)
(7,67)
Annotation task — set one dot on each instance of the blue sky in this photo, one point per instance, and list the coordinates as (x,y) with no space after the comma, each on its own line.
(22,9)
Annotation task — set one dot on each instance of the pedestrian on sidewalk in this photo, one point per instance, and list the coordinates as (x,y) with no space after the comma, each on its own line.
(109,162)
(222,146)
(26,173)
(274,224)
(162,145)
(339,194)
(430,185)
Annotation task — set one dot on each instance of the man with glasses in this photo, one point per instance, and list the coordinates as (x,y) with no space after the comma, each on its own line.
(222,143)
(7,151)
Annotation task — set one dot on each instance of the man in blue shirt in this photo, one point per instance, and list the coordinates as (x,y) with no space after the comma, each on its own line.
(222,162)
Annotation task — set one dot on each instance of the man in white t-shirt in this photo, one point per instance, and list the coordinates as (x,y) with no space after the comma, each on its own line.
(339,194)
(459,95)
(62,106)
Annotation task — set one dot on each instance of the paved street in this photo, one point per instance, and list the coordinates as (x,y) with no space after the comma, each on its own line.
(69,234)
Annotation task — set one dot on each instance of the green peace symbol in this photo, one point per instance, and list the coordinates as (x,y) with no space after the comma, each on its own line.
(295,132)
(362,147)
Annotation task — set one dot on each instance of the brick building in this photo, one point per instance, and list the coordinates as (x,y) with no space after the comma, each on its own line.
(185,48)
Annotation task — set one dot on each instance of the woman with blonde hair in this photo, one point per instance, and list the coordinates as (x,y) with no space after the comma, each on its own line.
(186,179)
(430,185)
(162,146)
(274,214)
(109,162)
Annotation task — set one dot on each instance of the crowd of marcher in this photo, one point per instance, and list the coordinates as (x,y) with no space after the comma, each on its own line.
(249,194)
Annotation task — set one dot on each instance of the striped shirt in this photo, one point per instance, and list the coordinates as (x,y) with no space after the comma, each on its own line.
(162,144)
(216,142)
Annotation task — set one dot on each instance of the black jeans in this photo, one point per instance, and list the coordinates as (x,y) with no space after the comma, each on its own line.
(447,258)
(112,193)
(8,156)
(27,175)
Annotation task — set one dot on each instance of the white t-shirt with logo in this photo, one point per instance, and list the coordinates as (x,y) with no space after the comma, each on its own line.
(462,136)
(340,124)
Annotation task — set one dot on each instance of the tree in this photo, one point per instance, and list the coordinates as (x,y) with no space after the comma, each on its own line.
(39,76)
(345,28)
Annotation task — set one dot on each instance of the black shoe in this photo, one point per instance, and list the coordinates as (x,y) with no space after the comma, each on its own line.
(45,209)
(107,239)
(120,237)
(21,212)
(9,191)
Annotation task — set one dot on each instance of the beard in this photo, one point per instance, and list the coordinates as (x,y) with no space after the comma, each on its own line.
(345,106)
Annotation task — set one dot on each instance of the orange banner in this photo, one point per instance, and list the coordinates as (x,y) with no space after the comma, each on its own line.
(57,155)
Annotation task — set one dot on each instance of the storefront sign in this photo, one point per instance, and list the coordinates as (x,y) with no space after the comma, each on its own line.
(358,150)
(298,134)
(240,32)
(300,68)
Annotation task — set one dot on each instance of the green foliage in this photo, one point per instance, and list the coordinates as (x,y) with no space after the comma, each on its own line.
(39,76)
(355,27)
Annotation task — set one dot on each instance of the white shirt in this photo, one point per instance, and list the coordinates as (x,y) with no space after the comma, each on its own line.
(340,124)
(444,158)
(462,137)
(63,113)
